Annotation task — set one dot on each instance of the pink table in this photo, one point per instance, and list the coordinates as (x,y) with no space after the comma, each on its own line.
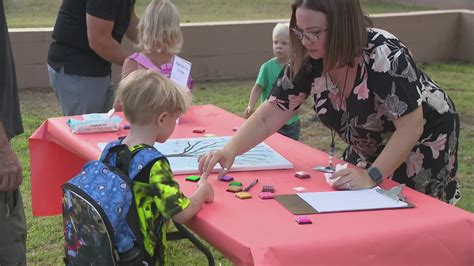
(262,232)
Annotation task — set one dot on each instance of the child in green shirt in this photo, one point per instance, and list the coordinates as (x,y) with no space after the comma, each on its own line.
(268,75)
(151,104)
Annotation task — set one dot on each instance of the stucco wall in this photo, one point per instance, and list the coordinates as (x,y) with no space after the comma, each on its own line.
(465,45)
(236,49)
(431,36)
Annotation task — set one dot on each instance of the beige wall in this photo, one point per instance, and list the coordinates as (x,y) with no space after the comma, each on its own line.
(465,45)
(236,49)
(30,50)
(431,36)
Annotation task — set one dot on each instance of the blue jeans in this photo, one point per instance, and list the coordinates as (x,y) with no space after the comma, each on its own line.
(292,130)
(79,95)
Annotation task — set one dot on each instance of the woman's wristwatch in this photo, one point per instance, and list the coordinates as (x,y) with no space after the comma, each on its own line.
(375,174)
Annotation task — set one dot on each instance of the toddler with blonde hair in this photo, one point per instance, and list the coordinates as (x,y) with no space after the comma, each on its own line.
(159,40)
(268,75)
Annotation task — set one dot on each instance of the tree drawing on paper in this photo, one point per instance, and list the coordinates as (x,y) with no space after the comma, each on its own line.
(183,154)
(199,147)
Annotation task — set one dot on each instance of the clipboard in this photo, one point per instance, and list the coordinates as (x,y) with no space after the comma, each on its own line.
(344,201)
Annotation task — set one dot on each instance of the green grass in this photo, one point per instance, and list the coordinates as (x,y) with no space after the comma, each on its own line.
(45,240)
(42,13)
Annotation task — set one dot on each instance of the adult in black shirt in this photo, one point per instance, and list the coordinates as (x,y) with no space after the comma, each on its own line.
(12,216)
(86,41)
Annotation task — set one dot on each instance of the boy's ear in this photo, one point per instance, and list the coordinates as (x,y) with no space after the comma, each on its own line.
(161,118)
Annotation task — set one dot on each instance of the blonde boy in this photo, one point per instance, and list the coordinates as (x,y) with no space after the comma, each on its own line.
(151,104)
(268,75)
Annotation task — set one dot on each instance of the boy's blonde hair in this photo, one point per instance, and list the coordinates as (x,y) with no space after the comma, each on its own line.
(281,29)
(145,94)
(159,28)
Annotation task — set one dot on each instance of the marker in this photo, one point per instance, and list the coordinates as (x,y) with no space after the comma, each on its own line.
(251,185)
(198,130)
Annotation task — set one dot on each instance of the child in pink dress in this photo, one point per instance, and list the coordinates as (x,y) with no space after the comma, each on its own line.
(159,41)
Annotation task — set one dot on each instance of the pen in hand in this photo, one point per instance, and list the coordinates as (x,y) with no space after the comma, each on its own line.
(251,185)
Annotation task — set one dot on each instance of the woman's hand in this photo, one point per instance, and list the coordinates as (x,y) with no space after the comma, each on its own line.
(207,162)
(352,179)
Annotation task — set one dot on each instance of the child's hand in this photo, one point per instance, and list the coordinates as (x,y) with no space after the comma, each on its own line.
(248,112)
(207,190)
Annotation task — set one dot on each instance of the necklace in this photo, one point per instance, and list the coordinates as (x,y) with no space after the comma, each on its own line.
(334,89)
(332,146)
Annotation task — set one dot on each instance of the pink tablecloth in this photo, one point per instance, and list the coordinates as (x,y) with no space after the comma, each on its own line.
(262,232)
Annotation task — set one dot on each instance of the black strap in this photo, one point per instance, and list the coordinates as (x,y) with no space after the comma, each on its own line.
(122,159)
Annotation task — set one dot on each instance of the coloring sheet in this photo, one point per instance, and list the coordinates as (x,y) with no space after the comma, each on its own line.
(183,154)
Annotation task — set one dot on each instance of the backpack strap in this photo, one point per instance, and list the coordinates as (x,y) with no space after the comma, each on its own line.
(107,148)
(117,154)
(142,158)
(144,61)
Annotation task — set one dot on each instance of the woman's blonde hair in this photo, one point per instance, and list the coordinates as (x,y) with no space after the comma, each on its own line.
(346,34)
(145,93)
(159,28)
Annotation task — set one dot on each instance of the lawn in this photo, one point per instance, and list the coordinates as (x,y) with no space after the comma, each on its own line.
(42,13)
(45,239)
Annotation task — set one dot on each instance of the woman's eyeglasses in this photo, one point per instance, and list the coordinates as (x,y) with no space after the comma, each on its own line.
(312,36)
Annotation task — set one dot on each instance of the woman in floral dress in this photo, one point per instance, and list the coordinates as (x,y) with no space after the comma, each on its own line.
(367,89)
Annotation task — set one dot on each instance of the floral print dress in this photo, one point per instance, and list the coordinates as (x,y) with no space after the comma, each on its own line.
(388,85)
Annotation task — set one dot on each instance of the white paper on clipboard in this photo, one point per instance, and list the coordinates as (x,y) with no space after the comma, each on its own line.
(352,200)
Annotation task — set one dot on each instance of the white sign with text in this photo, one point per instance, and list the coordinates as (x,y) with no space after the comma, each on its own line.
(180,71)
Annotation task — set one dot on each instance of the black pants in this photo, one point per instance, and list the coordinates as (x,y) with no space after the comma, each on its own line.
(12,229)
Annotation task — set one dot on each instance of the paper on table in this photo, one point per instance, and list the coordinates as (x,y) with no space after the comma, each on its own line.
(353,200)
(182,155)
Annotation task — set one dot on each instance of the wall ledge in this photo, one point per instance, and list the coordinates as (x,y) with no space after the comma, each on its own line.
(221,50)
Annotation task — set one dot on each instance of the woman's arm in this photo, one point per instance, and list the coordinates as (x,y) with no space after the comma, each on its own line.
(263,123)
(409,129)
(266,121)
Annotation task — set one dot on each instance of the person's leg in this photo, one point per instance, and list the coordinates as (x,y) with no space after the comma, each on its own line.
(291,130)
(79,94)
(92,94)
(52,82)
(109,97)
(12,229)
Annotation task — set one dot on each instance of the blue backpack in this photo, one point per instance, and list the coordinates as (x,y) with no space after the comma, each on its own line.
(99,214)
